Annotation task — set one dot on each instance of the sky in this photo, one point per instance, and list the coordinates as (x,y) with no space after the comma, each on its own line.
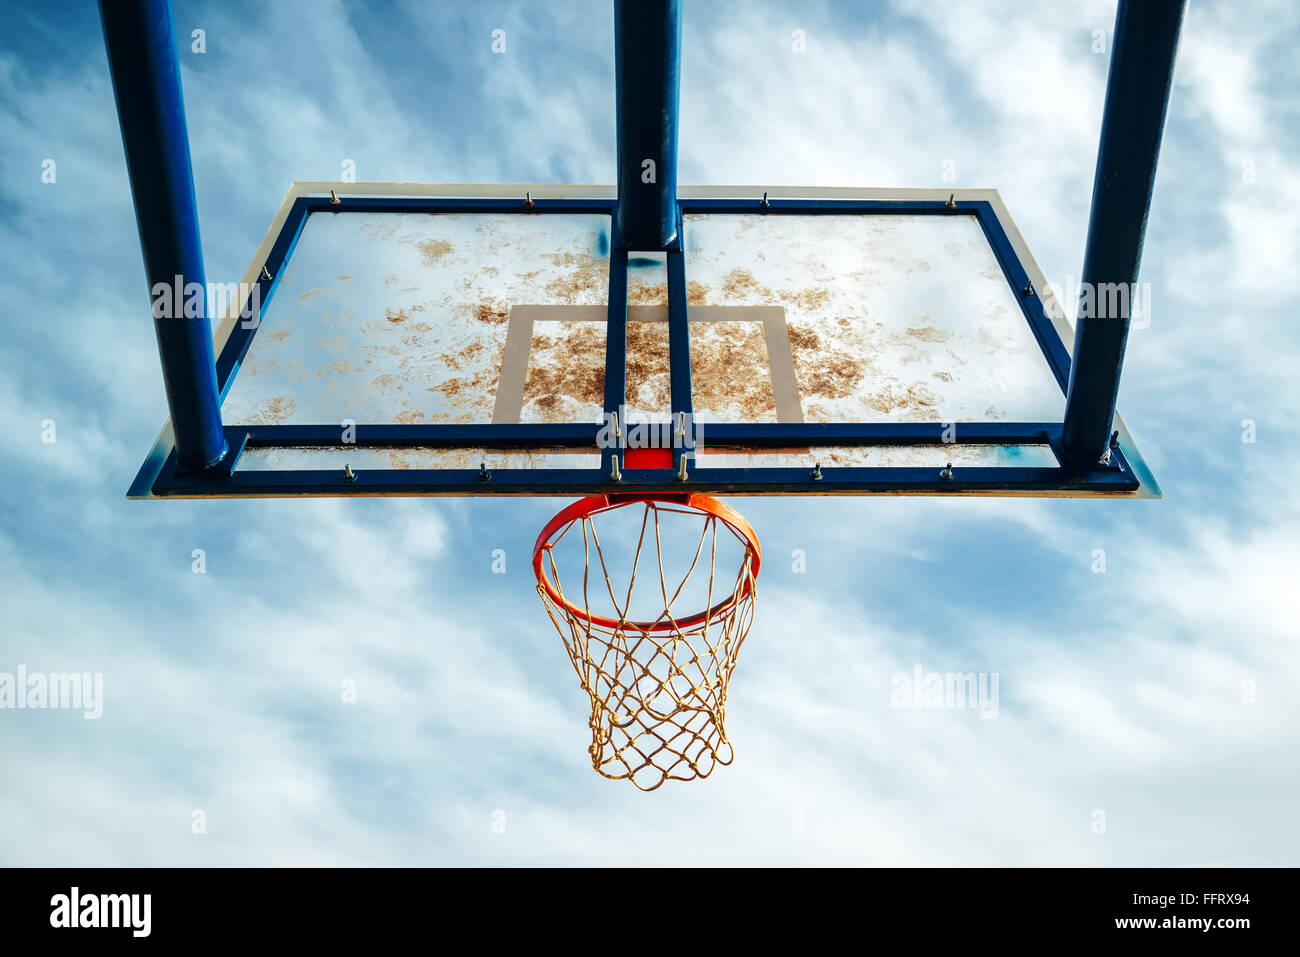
(1147,713)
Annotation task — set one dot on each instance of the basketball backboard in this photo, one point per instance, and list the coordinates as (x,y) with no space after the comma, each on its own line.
(410,339)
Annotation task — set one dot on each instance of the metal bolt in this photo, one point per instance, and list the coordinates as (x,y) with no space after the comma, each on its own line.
(681,469)
(614,474)
(816,474)
(1111,446)
(348,474)
(334,198)
(1029,288)
(766,201)
(483,474)
(952,201)
(266,276)
(528,199)
(946,474)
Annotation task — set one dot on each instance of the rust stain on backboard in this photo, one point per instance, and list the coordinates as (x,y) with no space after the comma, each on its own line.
(467,394)
(587,280)
(892,395)
(493,312)
(310,293)
(648,380)
(929,333)
(431,250)
(278,409)
(566,370)
(730,371)
(807,300)
(741,284)
(823,373)
(640,292)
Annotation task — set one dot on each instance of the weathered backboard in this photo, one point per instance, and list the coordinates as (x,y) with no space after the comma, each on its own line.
(411,339)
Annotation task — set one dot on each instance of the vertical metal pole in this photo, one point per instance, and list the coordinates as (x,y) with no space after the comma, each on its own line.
(146,76)
(616,356)
(1137,97)
(647,71)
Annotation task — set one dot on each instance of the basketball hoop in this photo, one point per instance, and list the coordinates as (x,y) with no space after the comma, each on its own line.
(658,686)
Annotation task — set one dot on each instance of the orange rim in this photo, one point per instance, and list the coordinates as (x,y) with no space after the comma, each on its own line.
(594,504)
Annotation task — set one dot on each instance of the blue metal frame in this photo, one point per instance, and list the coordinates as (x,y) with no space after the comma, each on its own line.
(647,86)
(1117,477)
(1137,98)
(141,46)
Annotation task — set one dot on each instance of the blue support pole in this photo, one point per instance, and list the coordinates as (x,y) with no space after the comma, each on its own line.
(141,44)
(1137,98)
(647,70)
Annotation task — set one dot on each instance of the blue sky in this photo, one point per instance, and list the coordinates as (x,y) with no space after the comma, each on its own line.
(1160,693)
